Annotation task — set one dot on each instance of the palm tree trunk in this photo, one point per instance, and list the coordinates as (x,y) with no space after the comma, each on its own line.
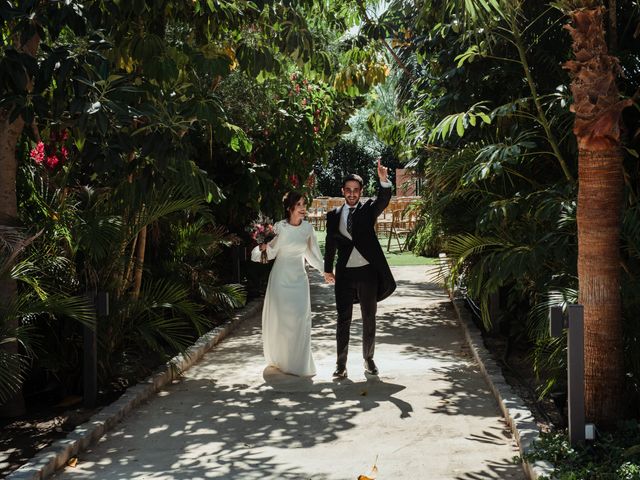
(129,268)
(599,206)
(140,250)
(598,108)
(9,134)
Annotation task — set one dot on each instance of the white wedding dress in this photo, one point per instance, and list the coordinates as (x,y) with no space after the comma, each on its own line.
(286,313)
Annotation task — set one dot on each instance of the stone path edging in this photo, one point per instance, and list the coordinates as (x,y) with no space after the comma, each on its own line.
(46,462)
(516,413)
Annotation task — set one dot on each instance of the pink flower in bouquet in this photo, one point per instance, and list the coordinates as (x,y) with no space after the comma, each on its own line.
(261,230)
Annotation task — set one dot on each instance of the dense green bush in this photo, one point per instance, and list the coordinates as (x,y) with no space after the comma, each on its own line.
(610,457)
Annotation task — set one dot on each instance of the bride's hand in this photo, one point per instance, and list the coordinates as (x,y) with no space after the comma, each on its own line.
(263,247)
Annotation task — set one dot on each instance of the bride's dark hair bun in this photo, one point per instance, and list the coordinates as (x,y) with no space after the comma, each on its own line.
(289,201)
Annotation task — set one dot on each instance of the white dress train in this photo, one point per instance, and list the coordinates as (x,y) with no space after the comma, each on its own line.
(286,313)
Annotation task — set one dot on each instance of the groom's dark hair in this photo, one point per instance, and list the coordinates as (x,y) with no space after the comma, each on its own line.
(353,176)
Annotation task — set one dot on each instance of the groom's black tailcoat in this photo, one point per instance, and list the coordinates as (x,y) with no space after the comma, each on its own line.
(374,282)
(364,239)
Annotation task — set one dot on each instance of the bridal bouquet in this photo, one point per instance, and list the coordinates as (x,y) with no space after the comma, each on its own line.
(261,232)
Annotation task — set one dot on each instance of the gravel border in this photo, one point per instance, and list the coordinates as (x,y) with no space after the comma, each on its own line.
(514,410)
(46,462)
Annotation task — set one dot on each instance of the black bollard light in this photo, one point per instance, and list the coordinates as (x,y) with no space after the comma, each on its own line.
(100,302)
(574,323)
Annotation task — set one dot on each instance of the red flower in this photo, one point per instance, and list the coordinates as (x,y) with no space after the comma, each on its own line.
(37,154)
(52,161)
(54,153)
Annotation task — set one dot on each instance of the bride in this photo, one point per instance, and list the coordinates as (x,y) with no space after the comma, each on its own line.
(286,313)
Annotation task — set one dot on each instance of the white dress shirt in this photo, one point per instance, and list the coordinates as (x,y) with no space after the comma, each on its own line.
(355,259)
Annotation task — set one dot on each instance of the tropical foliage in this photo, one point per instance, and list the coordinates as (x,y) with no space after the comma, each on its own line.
(138,141)
(485,114)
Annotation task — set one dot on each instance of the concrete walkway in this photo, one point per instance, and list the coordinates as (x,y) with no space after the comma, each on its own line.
(428,416)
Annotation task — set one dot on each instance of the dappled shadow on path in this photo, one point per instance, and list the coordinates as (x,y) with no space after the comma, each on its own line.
(463,392)
(421,331)
(426,290)
(227,430)
(232,418)
(364,395)
(503,470)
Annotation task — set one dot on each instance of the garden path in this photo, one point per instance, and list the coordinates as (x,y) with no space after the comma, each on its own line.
(429,415)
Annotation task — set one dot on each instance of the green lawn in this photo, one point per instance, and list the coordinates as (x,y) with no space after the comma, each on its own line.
(394,256)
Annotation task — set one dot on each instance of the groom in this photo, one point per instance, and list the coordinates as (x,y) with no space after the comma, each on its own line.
(362,273)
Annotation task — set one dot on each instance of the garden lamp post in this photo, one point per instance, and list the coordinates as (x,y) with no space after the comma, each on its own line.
(574,323)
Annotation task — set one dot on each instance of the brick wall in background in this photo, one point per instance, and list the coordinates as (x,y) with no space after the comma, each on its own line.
(406,184)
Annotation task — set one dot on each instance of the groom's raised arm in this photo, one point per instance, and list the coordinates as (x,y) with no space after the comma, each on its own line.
(384,190)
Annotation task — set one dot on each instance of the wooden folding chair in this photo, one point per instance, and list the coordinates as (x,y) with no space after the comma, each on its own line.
(315,215)
(400,228)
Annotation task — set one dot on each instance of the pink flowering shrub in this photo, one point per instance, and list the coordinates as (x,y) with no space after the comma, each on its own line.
(52,154)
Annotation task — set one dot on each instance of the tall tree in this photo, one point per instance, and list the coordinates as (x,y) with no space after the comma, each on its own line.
(598,108)
(17,70)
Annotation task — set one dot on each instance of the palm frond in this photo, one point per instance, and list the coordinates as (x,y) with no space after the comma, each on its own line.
(160,204)
(12,369)
(196,181)
(224,297)
(165,296)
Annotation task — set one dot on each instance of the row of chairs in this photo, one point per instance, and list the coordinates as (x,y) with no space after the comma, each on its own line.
(395,222)
(401,225)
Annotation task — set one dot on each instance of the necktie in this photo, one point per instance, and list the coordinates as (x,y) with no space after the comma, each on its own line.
(350,219)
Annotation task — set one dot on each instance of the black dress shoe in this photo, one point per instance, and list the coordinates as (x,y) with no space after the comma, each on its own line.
(370,367)
(341,372)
